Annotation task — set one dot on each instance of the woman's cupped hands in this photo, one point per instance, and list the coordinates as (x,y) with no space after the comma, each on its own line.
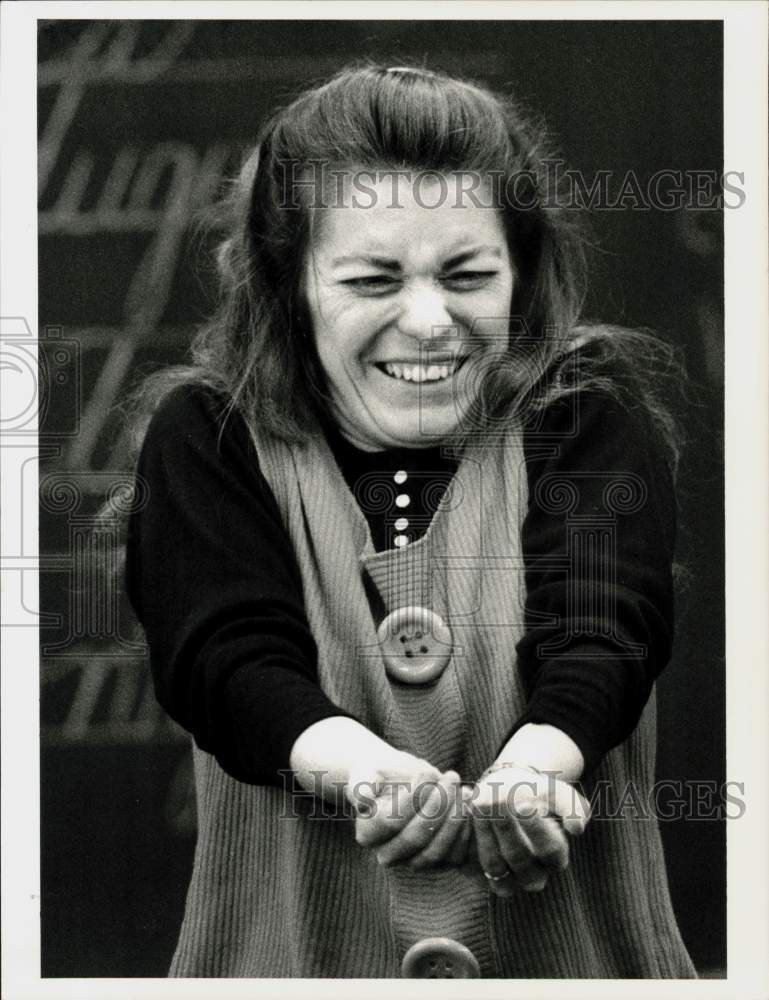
(511,828)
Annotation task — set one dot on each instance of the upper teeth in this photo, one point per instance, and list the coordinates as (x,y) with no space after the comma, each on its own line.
(419,373)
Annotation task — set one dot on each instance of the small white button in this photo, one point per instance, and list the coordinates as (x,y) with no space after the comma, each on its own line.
(400,541)
(401,524)
(402,500)
(400,477)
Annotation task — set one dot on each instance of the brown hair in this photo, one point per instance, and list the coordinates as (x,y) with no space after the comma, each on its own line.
(257,349)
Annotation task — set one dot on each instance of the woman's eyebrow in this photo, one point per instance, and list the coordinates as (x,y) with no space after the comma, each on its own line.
(389,264)
(465,255)
(364,258)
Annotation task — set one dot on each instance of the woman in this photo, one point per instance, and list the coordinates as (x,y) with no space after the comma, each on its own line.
(405,566)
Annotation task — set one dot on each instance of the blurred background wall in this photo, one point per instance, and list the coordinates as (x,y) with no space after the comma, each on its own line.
(140,122)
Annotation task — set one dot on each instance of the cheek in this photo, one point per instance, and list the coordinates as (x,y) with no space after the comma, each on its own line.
(497,307)
(486,318)
(327,329)
(339,348)
(349,329)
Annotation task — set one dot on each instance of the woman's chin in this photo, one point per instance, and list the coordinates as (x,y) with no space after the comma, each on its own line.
(383,424)
(421,430)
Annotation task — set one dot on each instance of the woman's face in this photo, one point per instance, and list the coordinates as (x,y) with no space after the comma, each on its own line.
(408,291)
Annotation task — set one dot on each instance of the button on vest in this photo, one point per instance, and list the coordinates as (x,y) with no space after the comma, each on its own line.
(416,645)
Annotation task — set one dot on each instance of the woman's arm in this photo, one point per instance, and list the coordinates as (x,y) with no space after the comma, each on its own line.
(212,576)
(340,754)
(611,619)
(546,748)
(614,611)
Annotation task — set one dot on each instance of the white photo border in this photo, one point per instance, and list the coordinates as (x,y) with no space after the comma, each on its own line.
(747,501)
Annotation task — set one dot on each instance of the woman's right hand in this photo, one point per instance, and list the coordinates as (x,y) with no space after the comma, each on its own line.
(409,812)
(406,809)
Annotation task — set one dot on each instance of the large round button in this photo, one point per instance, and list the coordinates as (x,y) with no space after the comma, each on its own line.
(439,958)
(416,645)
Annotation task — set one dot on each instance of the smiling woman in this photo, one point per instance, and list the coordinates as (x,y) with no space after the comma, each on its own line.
(405,566)
(393,296)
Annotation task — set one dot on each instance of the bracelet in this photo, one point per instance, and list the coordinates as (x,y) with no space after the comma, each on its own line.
(509,763)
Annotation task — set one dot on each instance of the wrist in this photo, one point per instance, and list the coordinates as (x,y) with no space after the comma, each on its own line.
(545,749)
(329,752)
(503,765)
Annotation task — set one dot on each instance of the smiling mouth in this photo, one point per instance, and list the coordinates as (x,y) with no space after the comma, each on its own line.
(421,373)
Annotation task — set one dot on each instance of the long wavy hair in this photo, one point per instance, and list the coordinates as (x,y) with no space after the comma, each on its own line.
(257,349)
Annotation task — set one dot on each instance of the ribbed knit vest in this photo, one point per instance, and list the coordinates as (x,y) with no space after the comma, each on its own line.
(279,889)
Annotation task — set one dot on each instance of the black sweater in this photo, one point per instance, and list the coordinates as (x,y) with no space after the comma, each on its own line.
(212,576)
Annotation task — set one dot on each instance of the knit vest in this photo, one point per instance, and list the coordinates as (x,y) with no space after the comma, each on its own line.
(281,888)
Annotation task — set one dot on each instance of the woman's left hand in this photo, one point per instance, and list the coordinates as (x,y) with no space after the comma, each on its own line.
(521,818)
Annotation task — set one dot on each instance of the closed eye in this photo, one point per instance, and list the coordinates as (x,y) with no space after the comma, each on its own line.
(372,283)
(380,284)
(468,279)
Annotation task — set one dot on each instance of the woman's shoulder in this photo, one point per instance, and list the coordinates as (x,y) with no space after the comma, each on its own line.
(598,388)
(616,367)
(610,389)
(190,415)
(185,401)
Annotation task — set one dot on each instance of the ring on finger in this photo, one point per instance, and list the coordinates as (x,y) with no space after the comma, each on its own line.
(497,878)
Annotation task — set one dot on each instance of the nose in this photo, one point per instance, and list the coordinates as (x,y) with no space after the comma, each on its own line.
(424,313)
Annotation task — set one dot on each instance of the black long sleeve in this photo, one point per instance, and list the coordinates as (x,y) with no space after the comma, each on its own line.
(213,579)
(211,573)
(613,609)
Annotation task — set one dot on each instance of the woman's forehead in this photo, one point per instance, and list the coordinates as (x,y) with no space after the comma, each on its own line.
(381,216)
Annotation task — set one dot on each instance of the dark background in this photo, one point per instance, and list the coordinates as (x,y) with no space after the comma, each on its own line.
(139,123)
